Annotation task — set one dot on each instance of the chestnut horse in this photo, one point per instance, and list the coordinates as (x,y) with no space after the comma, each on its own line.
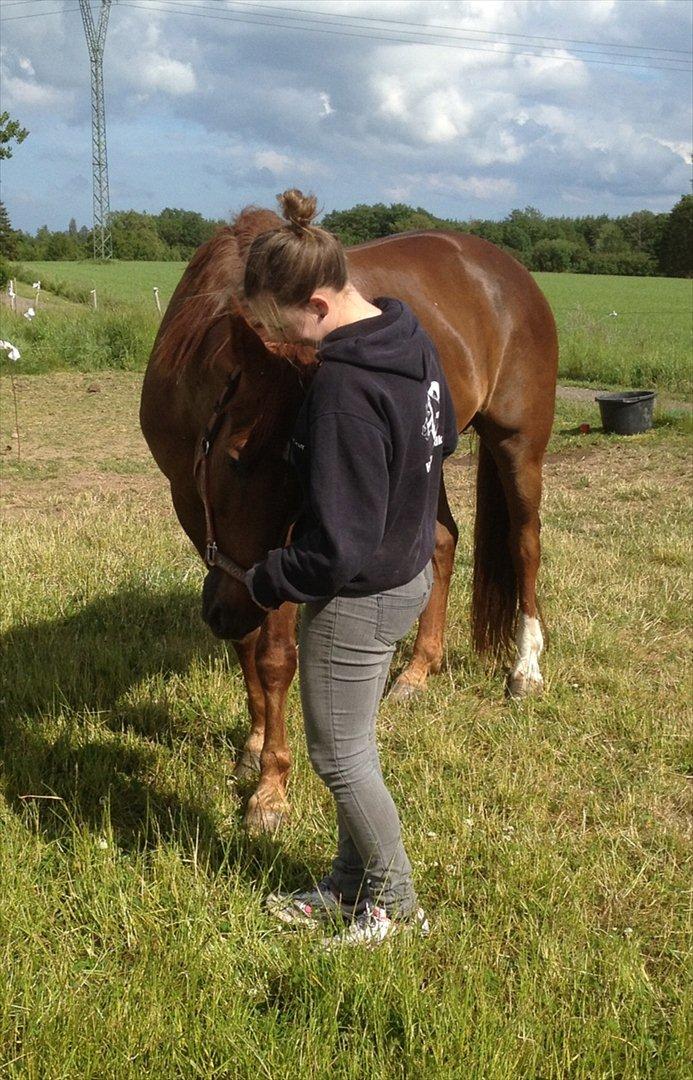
(496,338)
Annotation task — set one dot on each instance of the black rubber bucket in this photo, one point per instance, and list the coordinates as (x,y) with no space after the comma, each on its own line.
(628,412)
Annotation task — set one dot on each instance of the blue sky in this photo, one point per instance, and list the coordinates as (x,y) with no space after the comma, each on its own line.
(213,113)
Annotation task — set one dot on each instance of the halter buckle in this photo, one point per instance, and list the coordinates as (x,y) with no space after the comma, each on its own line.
(211,554)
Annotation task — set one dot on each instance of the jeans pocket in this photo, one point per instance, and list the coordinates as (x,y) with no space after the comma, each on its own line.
(395,619)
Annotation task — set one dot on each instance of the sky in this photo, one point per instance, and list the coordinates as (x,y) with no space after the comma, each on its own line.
(479,107)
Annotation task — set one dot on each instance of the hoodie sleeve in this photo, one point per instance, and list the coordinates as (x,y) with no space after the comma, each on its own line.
(450,435)
(348,496)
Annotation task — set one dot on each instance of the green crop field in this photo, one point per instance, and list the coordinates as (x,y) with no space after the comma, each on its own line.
(115,282)
(550,837)
(647,343)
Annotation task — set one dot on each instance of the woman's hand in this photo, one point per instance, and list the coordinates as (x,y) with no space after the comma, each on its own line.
(248,582)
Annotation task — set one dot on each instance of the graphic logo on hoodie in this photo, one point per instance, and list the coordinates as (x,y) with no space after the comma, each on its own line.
(429,430)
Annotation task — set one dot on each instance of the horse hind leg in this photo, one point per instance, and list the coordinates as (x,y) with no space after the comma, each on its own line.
(427,656)
(520,469)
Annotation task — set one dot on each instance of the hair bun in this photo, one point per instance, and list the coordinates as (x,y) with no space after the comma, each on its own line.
(298,209)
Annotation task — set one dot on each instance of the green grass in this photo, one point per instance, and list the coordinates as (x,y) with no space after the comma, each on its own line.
(550,838)
(73,338)
(647,344)
(116,282)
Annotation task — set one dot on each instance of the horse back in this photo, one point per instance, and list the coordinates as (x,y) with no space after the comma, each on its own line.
(488,318)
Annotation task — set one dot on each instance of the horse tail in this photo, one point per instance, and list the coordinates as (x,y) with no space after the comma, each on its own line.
(495,587)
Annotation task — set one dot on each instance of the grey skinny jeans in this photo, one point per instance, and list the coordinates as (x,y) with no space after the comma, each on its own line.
(346,646)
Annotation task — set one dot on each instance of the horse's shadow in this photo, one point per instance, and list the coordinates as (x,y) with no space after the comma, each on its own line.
(80,740)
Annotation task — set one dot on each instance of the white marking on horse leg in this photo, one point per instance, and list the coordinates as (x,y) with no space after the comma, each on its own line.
(529,643)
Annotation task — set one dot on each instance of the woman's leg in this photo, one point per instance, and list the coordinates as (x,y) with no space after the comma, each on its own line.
(347,866)
(346,646)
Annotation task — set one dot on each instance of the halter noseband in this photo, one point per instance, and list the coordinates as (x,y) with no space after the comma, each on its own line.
(213,556)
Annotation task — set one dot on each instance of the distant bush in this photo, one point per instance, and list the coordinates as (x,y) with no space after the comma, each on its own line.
(556,255)
(632,263)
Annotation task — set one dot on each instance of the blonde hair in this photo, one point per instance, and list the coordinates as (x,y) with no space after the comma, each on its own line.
(288,263)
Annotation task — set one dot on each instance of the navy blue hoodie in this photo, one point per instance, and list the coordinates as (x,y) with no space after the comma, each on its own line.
(368,445)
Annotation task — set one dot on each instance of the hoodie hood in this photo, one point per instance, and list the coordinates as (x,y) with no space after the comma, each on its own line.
(391,341)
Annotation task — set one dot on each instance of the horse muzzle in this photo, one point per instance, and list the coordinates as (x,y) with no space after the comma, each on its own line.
(227,607)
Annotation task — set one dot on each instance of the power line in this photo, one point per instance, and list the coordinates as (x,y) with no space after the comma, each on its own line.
(456,29)
(287,22)
(322,28)
(429,30)
(35,14)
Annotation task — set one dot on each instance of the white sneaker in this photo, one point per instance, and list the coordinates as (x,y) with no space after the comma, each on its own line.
(313,907)
(373,926)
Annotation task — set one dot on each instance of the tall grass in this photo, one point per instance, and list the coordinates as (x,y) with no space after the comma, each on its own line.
(118,338)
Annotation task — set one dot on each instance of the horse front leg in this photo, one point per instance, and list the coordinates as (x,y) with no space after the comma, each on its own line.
(427,657)
(248,764)
(275,665)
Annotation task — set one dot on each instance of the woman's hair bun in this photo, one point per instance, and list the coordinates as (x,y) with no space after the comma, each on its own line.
(298,209)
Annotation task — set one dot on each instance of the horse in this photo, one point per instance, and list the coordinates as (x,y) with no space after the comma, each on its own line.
(496,338)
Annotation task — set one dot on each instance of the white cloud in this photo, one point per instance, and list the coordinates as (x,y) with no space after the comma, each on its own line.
(479,187)
(280,164)
(212,114)
(684,150)
(24,93)
(159,72)
(270,159)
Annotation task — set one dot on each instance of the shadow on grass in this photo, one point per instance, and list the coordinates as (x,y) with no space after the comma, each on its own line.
(74,754)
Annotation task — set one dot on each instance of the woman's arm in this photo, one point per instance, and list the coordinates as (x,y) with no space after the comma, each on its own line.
(348,496)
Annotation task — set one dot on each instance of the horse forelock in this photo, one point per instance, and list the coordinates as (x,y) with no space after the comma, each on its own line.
(210,289)
(251,222)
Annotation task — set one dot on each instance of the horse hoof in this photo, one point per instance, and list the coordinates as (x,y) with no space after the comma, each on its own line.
(403,690)
(247,766)
(261,819)
(520,686)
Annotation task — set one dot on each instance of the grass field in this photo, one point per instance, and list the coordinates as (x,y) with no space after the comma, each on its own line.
(646,344)
(550,838)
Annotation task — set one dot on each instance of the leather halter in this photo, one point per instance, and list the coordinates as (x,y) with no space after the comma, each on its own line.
(213,556)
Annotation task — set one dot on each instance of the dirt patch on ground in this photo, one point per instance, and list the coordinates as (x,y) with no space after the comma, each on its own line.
(586,393)
(80,434)
(46,302)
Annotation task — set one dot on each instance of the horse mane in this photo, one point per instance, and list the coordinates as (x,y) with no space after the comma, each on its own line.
(210,290)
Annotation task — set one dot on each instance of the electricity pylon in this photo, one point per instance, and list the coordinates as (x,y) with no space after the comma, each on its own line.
(96,39)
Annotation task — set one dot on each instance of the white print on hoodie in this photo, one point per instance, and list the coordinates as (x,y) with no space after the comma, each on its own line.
(430,426)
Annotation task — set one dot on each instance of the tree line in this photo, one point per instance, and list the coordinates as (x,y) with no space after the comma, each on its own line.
(641,243)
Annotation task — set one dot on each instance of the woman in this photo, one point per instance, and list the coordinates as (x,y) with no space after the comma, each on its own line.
(368,446)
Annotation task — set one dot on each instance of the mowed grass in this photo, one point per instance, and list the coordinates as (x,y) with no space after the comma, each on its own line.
(550,838)
(647,344)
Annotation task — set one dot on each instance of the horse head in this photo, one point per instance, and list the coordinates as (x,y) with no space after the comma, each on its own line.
(251,490)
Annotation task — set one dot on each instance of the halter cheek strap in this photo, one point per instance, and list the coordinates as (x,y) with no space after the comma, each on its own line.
(213,556)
